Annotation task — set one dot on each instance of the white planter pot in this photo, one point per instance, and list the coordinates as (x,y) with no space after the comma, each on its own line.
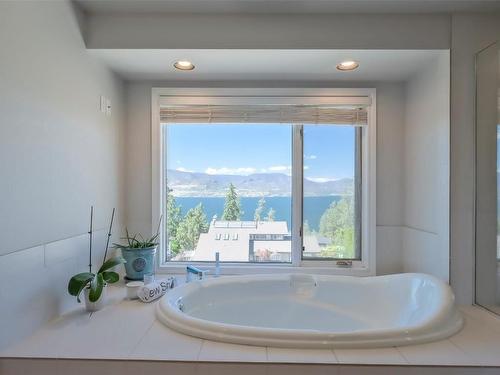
(97,305)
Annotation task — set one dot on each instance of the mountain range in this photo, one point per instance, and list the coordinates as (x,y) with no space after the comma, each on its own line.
(195,184)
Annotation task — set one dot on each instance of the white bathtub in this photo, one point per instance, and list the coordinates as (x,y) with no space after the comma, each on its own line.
(309,311)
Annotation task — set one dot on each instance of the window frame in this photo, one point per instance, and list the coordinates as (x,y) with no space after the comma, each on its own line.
(366,158)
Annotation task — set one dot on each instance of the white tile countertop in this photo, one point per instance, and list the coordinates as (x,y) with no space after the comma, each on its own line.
(127,329)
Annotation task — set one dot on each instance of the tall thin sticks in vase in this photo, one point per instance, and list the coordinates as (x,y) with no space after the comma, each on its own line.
(90,237)
(109,235)
(93,283)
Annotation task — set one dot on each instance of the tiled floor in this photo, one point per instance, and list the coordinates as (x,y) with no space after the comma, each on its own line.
(129,330)
(108,367)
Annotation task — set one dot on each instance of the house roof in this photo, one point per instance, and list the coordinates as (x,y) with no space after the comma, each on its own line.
(231,239)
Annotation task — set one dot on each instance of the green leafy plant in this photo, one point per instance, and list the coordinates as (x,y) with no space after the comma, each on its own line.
(137,241)
(95,281)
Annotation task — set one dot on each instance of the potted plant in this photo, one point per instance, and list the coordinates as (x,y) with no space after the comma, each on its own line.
(94,284)
(139,254)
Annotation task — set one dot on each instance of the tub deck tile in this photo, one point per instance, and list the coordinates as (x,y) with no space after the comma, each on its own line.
(479,340)
(482,316)
(290,355)
(129,330)
(224,352)
(104,334)
(443,353)
(162,343)
(389,356)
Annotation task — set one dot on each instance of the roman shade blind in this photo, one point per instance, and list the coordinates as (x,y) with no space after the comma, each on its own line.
(271,110)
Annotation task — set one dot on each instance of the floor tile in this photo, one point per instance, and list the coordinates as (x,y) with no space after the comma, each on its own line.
(407,370)
(372,370)
(446,371)
(301,369)
(490,371)
(26,366)
(86,367)
(158,368)
(231,369)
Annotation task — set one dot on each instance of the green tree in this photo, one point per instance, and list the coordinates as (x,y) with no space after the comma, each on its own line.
(189,230)
(232,205)
(261,205)
(338,215)
(271,214)
(337,224)
(174,218)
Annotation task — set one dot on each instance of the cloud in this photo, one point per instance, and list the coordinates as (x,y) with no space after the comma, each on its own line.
(232,171)
(310,157)
(244,171)
(280,168)
(320,179)
(284,169)
(182,169)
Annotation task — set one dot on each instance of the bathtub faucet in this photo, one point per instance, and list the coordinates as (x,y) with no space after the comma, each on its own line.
(192,271)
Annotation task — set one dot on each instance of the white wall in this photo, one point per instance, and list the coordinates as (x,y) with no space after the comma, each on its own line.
(269,31)
(390,123)
(138,158)
(426,170)
(58,156)
(390,194)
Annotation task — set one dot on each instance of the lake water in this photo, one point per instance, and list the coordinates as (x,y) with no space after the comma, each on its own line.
(313,207)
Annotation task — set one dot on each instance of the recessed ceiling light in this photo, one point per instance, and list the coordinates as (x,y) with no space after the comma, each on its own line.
(348,65)
(184,65)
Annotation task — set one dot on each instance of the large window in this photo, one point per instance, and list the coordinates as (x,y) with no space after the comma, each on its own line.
(229,190)
(244,182)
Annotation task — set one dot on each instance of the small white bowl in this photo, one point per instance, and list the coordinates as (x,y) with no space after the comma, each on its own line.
(132,289)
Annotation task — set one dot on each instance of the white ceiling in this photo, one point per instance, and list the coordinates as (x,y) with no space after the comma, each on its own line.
(260,65)
(288,6)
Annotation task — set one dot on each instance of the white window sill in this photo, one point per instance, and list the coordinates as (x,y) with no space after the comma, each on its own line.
(357,269)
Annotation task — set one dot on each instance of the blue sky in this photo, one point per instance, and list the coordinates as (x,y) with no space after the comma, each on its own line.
(257,148)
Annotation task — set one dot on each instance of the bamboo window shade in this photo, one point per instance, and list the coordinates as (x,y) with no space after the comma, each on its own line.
(265,113)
